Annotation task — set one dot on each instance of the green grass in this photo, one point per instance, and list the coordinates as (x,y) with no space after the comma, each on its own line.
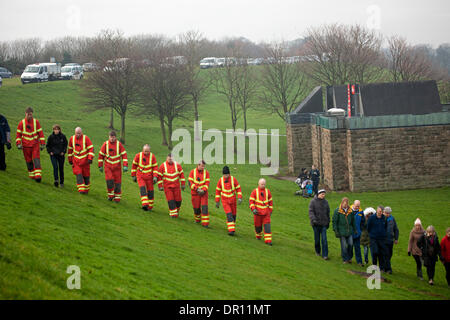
(125,253)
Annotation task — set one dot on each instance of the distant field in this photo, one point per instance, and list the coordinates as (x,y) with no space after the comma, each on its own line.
(125,253)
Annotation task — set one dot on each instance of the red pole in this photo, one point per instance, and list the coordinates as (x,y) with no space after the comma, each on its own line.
(349,102)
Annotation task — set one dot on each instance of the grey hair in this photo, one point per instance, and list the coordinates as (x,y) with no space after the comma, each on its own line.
(430,230)
(388,210)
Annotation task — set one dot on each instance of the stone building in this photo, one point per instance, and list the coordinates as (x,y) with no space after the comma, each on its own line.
(404,148)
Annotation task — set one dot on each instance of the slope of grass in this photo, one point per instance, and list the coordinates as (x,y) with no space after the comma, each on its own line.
(125,253)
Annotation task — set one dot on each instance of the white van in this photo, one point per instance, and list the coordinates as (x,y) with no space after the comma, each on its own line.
(72,72)
(209,62)
(41,72)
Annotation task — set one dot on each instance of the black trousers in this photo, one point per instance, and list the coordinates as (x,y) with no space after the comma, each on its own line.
(315,186)
(58,167)
(2,157)
(447,272)
(431,266)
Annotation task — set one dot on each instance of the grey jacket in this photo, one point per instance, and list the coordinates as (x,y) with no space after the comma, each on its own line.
(392,229)
(319,212)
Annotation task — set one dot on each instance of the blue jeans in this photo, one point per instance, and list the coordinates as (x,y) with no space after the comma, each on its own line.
(357,246)
(320,234)
(347,248)
(58,167)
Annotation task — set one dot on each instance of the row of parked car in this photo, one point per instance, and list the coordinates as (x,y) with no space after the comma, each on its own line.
(213,62)
(50,71)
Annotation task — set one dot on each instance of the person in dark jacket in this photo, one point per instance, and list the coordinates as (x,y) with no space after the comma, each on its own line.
(377,228)
(344,227)
(365,239)
(315,177)
(392,237)
(304,175)
(359,223)
(431,250)
(5,139)
(319,215)
(57,148)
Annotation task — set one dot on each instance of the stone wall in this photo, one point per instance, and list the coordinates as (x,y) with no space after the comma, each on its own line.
(299,147)
(399,158)
(335,159)
(373,159)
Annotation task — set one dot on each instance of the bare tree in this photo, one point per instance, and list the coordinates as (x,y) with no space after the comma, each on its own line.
(115,84)
(406,63)
(225,82)
(338,54)
(246,89)
(283,85)
(165,90)
(191,44)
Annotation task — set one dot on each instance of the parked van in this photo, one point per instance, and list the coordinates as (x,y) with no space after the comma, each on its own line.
(209,62)
(72,72)
(38,72)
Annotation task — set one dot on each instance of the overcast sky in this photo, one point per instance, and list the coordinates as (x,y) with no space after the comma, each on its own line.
(258,20)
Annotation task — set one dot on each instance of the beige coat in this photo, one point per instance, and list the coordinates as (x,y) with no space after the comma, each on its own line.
(414,236)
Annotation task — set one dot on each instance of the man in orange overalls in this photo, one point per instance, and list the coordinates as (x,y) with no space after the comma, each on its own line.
(144,171)
(170,176)
(111,153)
(80,155)
(227,189)
(30,139)
(199,184)
(261,205)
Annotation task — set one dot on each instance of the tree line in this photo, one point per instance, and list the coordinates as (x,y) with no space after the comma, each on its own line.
(143,71)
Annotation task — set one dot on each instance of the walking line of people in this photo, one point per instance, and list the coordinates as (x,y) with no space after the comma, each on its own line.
(375,230)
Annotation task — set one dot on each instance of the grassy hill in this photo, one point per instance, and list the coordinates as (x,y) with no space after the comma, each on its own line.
(126,253)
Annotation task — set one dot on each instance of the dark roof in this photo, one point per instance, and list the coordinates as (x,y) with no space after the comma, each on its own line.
(421,97)
(313,102)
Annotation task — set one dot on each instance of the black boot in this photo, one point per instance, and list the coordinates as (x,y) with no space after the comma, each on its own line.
(56,184)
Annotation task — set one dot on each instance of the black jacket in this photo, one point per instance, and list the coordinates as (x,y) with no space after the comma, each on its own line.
(4,130)
(430,252)
(315,175)
(57,143)
(319,212)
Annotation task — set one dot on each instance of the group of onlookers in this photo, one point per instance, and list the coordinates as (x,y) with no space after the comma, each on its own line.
(425,247)
(308,181)
(376,230)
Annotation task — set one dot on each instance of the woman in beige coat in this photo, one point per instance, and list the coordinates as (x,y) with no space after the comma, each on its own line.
(416,233)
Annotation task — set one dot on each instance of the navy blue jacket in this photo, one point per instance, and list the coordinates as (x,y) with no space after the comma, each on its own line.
(315,175)
(4,128)
(377,227)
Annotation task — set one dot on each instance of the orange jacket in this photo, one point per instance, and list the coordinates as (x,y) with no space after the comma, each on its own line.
(171,175)
(227,189)
(111,154)
(29,133)
(80,150)
(198,179)
(261,200)
(144,166)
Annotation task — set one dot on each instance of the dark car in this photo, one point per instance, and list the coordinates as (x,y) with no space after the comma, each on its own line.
(5,73)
